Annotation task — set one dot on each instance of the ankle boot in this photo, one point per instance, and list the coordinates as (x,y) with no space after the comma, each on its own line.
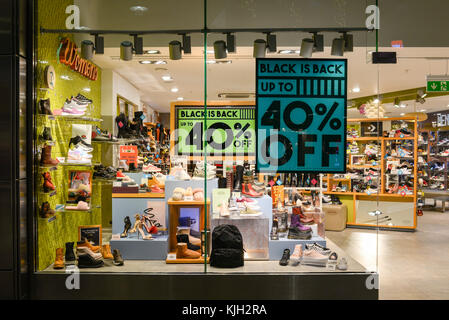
(106,252)
(183,253)
(69,254)
(59,259)
(48,184)
(46,159)
(44,106)
(46,134)
(238,179)
(46,211)
(184,238)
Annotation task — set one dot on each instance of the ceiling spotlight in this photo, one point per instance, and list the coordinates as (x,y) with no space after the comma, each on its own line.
(259,48)
(167,78)
(175,47)
(126,51)
(230,43)
(153,52)
(397,102)
(376,101)
(420,96)
(179,98)
(146,62)
(422,110)
(160,62)
(402,114)
(138,9)
(87,49)
(174,89)
(356,89)
(220,49)
(306,48)
(153,62)
(338,47)
(288,51)
(271,42)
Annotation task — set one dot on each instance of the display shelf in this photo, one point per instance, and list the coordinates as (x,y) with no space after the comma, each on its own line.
(70,118)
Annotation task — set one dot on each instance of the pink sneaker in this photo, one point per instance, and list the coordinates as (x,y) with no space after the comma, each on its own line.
(297,254)
(314,258)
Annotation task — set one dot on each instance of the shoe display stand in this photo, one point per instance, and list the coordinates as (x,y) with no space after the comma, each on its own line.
(276,247)
(255,230)
(175,208)
(400,208)
(133,247)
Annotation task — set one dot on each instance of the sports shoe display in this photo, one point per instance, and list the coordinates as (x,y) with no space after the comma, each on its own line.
(285,257)
(204,170)
(296,233)
(319,248)
(314,258)
(342,264)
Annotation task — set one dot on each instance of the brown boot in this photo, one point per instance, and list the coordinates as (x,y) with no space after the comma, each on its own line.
(106,252)
(46,211)
(46,159)
(183,253)
(59,260)
(86,243)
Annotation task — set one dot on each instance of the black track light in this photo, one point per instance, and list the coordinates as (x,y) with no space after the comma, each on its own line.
(230,43)
(126,51)
(306,48)
(175,47)
(271,42)
(220,49)
(138,44)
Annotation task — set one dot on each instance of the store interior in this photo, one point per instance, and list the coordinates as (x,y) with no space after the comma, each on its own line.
(114,195)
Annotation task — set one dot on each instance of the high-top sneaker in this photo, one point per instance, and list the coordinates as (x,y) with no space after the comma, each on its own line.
(69,254)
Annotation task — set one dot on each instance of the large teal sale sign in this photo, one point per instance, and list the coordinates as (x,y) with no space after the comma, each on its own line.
(301,115)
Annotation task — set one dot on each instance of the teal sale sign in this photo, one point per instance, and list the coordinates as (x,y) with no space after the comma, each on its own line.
(301,115)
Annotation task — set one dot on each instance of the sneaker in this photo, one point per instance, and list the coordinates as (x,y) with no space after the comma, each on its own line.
(314,258)
(87,261)
(118,260)
(296,233)
(342,264)
(319,248)
(285,257)
(297,255)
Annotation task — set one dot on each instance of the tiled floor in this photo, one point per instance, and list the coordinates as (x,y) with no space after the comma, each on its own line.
(411,265)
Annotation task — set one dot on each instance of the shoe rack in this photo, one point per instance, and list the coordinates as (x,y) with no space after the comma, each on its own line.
(347,190)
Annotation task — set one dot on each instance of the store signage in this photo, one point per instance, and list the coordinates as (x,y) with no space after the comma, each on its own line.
(230,130)
(129,153)
(371,129)
(438,85)
(68,55)
(301,115)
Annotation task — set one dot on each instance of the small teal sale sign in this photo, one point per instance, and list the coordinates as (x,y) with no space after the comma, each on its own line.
(301,115)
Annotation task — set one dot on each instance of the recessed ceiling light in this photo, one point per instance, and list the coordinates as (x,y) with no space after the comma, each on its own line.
(403,105)
(174,89)
(402,114)
(376,101)
(138,9)
(422,110)
(288,51)
(180,98)
(167,78)
(209,51)
(356,89)
(153,62)
(87,89)
(218,61)
(153,52)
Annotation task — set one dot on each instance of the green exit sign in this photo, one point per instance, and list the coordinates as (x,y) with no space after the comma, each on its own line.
(437,83)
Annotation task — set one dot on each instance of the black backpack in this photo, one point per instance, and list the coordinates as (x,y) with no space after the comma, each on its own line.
(227,247)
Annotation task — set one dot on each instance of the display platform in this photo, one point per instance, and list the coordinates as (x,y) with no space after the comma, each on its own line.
(139,249)
(255,280)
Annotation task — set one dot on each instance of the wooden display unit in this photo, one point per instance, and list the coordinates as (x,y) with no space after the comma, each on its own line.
(382,195)
(174,211)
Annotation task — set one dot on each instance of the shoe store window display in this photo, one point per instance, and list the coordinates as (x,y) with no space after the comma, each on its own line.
(79,190)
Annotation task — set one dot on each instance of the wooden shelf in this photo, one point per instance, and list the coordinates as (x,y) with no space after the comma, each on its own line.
(184,202)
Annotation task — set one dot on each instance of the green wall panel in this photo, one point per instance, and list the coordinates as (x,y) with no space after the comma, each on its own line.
(54,234)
